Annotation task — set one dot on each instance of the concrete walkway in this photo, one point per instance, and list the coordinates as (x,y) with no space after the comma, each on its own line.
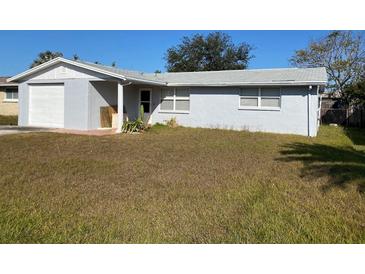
(6,130)
(96,132)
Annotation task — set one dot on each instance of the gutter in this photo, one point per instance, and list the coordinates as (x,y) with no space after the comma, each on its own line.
(319,107)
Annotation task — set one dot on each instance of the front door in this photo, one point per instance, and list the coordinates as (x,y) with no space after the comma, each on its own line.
(145,100)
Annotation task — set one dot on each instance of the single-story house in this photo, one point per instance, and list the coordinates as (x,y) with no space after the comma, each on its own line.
(8,97)
(71,94)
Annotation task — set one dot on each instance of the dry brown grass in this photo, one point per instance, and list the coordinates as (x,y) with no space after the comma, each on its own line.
(180,186)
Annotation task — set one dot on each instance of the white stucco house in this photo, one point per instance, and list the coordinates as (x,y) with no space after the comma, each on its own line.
(69,94)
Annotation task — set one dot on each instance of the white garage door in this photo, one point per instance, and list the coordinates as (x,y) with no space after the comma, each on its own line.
(46,105)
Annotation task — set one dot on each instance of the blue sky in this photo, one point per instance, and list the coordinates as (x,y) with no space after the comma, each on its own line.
(138,50)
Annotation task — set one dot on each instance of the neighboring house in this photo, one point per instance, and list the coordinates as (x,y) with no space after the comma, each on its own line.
(8,97)
(70,94)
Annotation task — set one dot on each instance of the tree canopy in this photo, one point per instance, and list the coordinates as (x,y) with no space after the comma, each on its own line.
(216,51)
(45,57)
(355,94)
(342,53)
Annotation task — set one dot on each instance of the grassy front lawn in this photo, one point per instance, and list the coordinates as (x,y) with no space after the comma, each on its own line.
(183,186)
(8,120)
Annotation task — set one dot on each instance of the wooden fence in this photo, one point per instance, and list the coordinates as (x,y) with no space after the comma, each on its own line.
(350,117)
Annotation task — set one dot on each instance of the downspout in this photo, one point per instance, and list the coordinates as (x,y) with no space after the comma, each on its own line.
(319,106)
(308,110)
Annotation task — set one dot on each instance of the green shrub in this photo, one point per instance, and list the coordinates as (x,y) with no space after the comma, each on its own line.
(9,120)
(135,126)
(132,126)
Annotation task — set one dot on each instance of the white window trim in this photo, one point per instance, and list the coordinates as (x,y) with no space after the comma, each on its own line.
(174,98)
(11,100)
(139,99)
(259,107)
(5,100)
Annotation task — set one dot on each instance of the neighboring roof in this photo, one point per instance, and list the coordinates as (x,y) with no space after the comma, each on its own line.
(4,83)
(282,76)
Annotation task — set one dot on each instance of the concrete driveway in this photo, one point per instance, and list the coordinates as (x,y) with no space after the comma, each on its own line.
(6,130)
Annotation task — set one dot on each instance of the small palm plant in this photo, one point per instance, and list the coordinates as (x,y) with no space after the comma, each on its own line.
(135,126)
(141,113)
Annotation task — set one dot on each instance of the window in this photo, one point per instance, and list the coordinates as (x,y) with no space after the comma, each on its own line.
(270,97)
(260,98)
(249,97)
(11,94)
(175,99)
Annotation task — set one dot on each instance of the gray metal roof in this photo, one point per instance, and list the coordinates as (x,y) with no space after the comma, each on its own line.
(280,76)
(259,76)
(129,74)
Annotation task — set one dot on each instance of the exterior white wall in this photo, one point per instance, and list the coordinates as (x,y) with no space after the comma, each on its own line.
(76,104)
(101,94)
(218,107)
(23,104)
(64,71)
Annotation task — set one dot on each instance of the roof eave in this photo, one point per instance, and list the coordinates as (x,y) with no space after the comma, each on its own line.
(63,60)
(227,84)
(8,85)
(144,81)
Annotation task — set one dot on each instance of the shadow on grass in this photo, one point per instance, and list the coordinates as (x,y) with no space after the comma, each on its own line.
(341,165)
(356,135)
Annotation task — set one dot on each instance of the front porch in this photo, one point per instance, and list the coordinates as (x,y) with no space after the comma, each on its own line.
(111,103)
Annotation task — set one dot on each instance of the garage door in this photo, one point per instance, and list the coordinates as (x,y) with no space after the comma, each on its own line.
(46,105)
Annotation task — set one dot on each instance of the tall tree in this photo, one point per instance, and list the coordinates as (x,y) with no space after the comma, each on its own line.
(355,94)
(45,57)
(216,51)
(342,53)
